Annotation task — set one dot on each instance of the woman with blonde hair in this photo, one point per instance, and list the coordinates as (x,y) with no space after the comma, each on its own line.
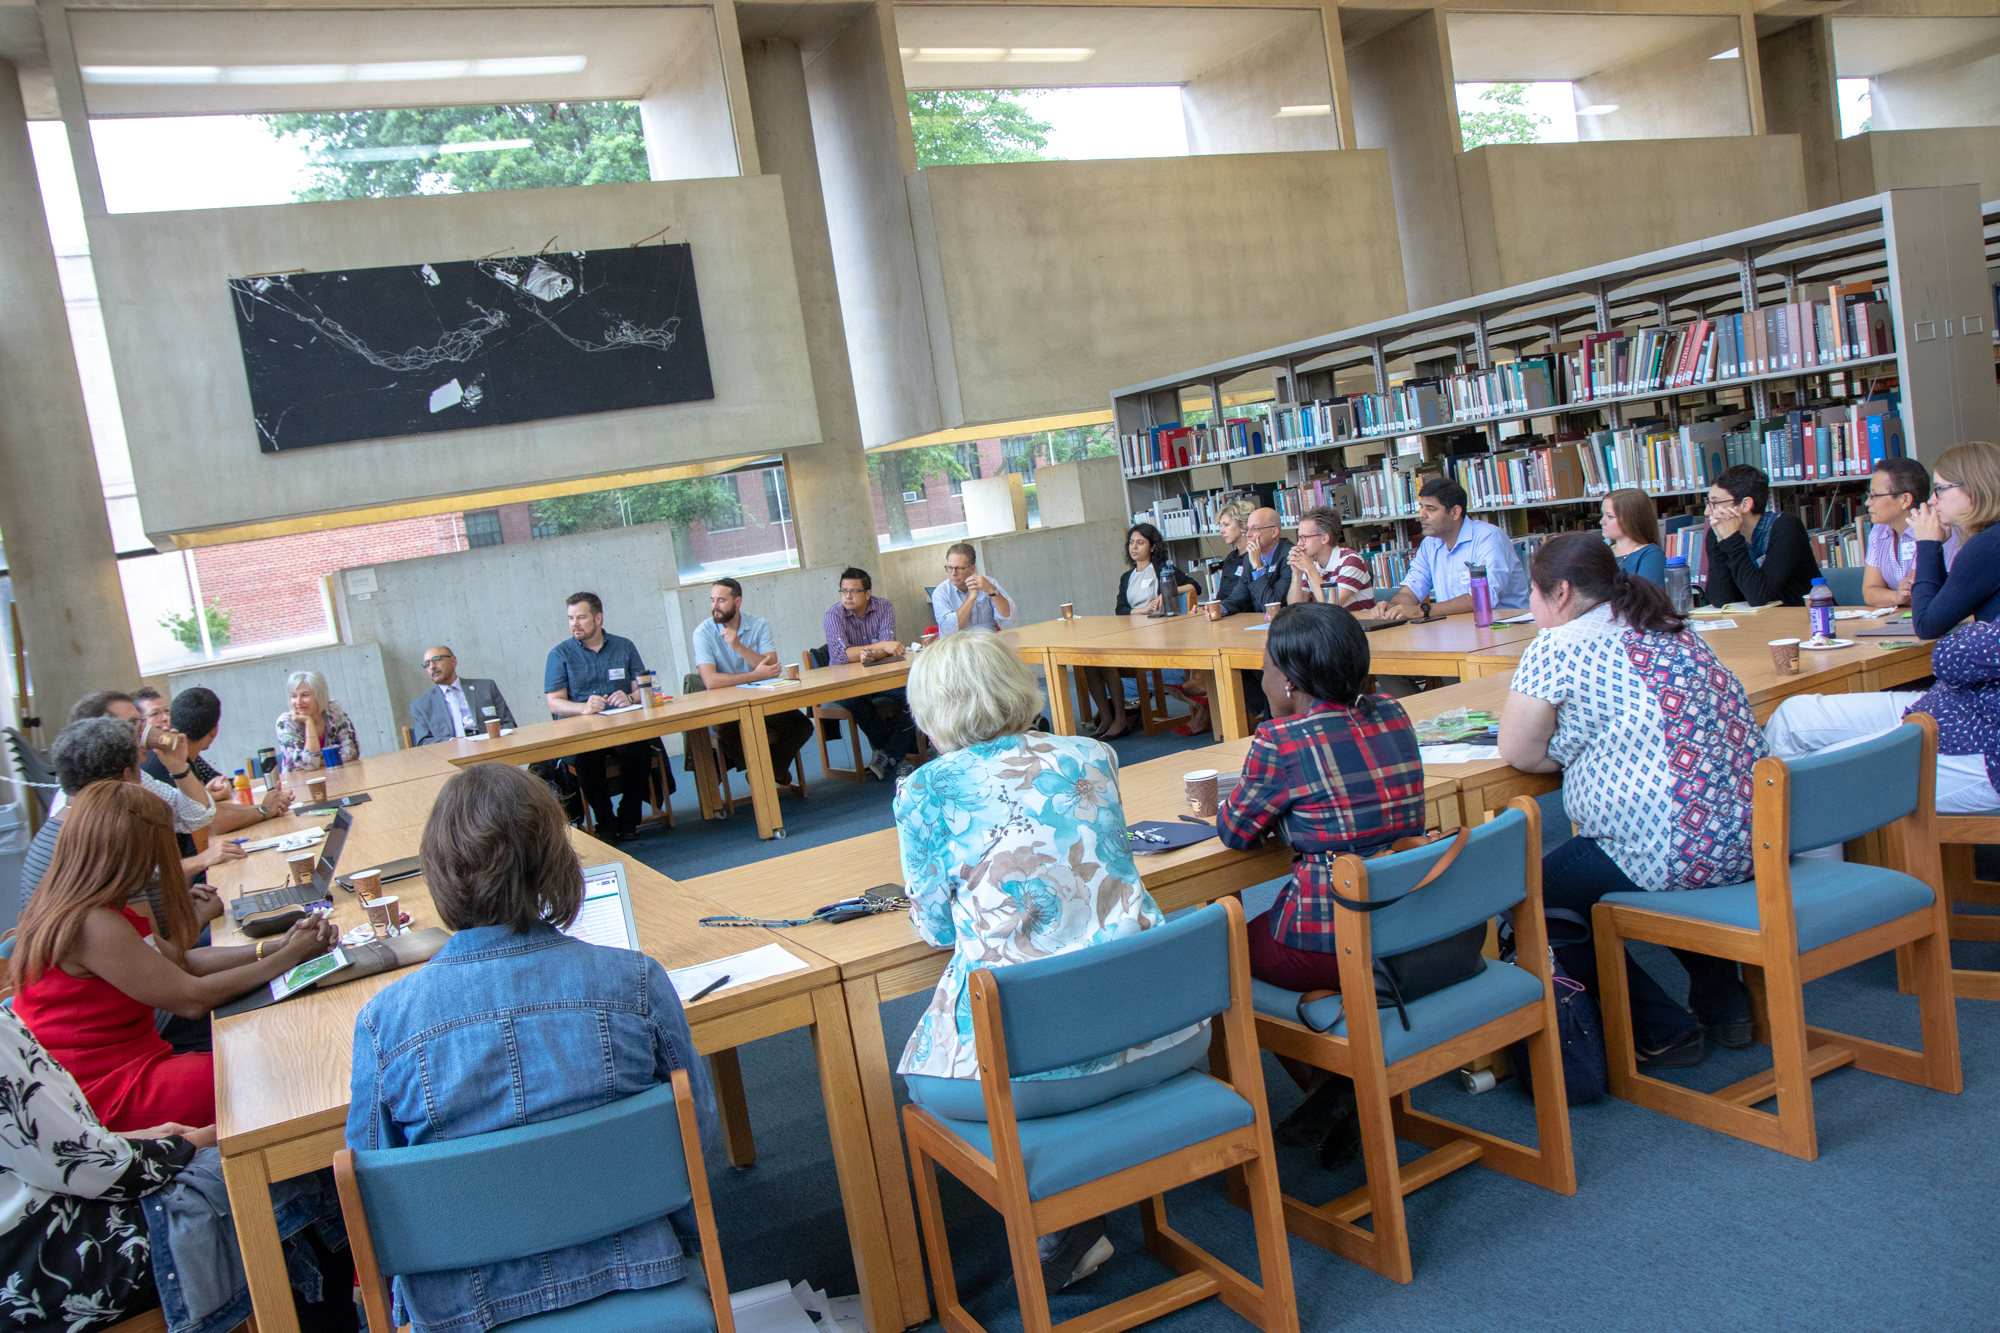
(312,725)
(1232,525)
(1965,494)
(1014,849)
(86,984)
(1631,523)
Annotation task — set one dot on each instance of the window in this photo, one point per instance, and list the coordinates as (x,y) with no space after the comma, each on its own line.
(729,514)
(712,532)
(482,528)
(968,459)
(777,504)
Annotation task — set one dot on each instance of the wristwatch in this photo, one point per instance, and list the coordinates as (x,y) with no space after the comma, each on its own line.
(183,773)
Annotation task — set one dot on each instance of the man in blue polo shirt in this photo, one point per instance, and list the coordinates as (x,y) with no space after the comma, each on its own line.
(1438,573)
(589,672)
(733,647)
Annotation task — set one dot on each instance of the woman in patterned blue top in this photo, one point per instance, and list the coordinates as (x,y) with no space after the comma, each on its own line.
(1655,741)
(1014,849)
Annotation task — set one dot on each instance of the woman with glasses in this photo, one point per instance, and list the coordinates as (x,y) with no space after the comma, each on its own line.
(1755,555)
(1895,490)
(1965,494)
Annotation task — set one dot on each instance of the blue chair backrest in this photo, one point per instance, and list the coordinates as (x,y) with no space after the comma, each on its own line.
(1488,877)
(519,1192)
(7,947)
(1844,584)
(1845,793)
(1107,998)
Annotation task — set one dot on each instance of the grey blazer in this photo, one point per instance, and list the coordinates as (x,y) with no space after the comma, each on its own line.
(430,716)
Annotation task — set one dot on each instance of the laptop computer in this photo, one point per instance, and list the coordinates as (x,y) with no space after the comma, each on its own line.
(257,904)
(1898,626)
(401,868)
(606,917)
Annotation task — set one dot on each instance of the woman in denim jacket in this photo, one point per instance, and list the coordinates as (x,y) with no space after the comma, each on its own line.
(513,1023)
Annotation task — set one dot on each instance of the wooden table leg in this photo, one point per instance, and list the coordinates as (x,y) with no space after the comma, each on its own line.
(1062,704)
(732,1108)
(1231,709)
(878,1096)
(763,778)
(854,1163)
(701,760)
(257,1237)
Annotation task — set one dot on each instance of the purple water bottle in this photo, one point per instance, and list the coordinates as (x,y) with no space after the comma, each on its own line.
(1819,605)
(1482,598)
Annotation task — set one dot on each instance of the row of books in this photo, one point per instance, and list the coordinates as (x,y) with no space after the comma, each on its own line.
(1814,444)
(1165,448)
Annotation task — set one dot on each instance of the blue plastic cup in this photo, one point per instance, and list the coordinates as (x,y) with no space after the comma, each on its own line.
(330,756)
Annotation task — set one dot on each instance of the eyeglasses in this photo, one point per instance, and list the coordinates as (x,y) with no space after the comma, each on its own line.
(441,657)
(1940,487)
(1883,495)
(1720,504)
(957,569)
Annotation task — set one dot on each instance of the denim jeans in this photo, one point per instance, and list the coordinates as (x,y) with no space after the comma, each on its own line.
(1578,873)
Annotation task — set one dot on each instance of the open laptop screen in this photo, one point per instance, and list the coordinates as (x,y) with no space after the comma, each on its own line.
(606,917)
(329,851)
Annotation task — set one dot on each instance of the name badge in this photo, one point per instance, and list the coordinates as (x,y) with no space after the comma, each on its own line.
(616,673)
(490,710)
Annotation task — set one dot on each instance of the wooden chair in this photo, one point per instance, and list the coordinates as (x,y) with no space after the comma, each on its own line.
(1051,1172)
(712,787)
(1800,920)
(520,1192)
(832,715)
(1500,868)
(1958,836)
(409,735)
(658,790)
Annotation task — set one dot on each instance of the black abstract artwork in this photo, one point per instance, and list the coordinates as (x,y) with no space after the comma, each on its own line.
(365,354)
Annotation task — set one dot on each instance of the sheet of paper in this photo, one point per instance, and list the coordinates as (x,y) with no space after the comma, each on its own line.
(770,1308)
(1255,629)
(628,708)
(777,684)
(1457,754)
(741,968)
(1525,618)
(290,842)
(1704,626)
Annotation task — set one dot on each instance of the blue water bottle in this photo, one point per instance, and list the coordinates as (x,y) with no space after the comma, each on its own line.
(1482,597)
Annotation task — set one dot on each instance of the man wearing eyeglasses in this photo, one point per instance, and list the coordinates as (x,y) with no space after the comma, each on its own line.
(457,705)
(1755,554)
(967,599)
(1260,573)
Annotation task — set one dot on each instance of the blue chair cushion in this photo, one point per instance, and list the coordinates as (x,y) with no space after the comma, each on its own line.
(1064,1151)
(1831,899)
(678,1307)
(1436,1018)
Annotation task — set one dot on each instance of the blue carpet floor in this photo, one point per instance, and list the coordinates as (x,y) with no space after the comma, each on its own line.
(1672,1227)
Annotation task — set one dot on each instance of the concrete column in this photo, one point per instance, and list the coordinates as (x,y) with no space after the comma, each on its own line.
(1405,101)
(52,519)
(829,482)
(1801,97)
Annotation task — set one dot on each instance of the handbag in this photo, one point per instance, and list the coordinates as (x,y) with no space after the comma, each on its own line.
(1579,1025)
(1427,969)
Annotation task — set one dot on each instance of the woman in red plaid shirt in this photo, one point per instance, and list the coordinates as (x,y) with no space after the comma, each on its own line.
(1333,771)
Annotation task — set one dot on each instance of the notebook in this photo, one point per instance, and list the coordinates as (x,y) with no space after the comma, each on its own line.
(606,917)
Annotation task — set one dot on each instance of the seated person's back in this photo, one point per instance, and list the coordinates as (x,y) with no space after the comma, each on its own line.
(514,1023)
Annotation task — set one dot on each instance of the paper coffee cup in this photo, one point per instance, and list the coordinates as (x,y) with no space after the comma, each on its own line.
(1785,656)
(300,864)
(1069,610)
(493,729)
(792,671)
(1271,610)
(367,884)
(384,915)
(316,788)
(1201,791)
(1213,610)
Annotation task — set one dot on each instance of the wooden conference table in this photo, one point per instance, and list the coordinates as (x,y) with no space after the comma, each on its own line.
(282,1072)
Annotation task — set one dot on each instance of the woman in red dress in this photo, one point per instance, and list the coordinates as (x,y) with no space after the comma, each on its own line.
(86,983)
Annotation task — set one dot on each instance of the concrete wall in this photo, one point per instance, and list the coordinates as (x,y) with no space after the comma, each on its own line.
(1055,282)
(689,132)
(1405,103)
(254,697)
(861,129)
(1956,91)
(1800,97)
(1536,210)
(1233,108)
(1676,93)
(1902,159)
(187,407)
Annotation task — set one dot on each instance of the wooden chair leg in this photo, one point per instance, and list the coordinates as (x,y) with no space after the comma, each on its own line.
(1790,1045)
(1385,1177)
(1760,1009)
(937,1246)
(1614,999)
(1032,1292)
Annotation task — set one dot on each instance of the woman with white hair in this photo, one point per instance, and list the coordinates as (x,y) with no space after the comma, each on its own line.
(315,723)
(1014,849)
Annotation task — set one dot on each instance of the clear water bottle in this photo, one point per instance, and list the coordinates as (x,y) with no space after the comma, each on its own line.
(1819,605)
(1482,596)
(1680,585)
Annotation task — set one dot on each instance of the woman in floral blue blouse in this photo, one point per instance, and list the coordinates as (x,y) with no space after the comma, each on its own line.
(1014,849)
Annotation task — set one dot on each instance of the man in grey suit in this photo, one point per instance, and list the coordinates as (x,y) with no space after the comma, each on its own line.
(458,706)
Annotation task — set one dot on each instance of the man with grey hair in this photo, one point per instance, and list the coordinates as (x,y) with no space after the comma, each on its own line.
(967,599)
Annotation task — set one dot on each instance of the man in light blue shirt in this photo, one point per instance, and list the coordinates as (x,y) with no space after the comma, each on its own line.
(968,599)
(733,648)
(1451,542)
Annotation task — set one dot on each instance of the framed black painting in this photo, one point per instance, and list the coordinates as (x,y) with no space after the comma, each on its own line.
(373,353)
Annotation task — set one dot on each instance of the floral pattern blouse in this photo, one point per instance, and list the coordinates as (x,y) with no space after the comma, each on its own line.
(73,1238)
(292,751)
(1014,850)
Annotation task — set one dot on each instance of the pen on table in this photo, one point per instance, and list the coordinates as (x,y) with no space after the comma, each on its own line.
(714,985)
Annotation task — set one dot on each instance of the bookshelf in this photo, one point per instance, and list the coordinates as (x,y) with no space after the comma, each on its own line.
(1805,346)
